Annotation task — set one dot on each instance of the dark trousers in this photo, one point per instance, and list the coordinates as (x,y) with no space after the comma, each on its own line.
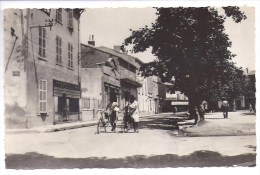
(113,124)
(225,113)
(135,125)
(113,119)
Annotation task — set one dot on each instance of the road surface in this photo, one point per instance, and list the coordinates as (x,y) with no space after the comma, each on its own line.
(155,146)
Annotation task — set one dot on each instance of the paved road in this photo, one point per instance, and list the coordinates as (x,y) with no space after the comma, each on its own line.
(154,146)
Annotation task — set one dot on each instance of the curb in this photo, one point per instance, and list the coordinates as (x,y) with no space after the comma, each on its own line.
(48,130)
(56,128)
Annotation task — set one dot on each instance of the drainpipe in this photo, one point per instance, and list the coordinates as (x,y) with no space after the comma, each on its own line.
(79,70)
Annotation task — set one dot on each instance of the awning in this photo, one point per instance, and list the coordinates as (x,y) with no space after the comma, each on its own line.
(132,82)
(179,103)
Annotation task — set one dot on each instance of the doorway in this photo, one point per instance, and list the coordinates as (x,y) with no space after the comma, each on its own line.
(63,107)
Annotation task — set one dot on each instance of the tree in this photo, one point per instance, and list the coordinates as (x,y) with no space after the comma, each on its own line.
(190,44)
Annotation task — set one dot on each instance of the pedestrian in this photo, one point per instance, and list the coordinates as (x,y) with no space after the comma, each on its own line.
(127,117)
(134,112)
(250,108)
(225,108)
(112,109)
(175,110)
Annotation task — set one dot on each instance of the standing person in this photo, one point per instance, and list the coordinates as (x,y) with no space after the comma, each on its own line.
(134,112)
(225,107)
(250,108)
(112,109)
(175,110)
(127,117)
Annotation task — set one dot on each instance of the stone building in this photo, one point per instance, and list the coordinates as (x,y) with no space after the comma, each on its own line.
(108,75)
(42,77)
(148,93)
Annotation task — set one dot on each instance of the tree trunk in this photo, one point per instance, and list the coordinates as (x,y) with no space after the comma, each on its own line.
(192,110)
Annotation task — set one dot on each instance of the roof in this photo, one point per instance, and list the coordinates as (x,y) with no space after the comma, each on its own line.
(99,58)
(125,57)
(92,59)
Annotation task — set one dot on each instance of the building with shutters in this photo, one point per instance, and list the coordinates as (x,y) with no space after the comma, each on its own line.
(42,77)
(107,75)
(148,93)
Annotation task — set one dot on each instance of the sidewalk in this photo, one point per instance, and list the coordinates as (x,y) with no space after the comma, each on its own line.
(59,127)
(239,123)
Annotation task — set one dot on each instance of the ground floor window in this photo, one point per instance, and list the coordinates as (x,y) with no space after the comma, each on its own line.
(74,105)
(67,105)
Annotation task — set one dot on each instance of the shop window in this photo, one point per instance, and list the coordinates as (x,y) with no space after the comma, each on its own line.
(73,105)
(43,96)
(42,42)
(58,50)
(70,19)
(59,15)
(70,55)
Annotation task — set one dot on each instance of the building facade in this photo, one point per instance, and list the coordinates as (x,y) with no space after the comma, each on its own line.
(148,93)
(108,75)
(42,77)
(176,100)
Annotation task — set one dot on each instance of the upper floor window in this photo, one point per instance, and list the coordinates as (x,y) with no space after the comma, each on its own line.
(70,55)
(43,96)
(59,15)
(58,50)
(70,19)
(42,42)
(47,11)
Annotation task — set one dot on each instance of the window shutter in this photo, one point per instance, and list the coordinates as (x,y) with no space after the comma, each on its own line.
(42,96)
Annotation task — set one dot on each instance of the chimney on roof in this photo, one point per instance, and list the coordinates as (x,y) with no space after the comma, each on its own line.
(91,40)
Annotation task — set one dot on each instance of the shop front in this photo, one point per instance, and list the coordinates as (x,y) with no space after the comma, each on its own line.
(66,100)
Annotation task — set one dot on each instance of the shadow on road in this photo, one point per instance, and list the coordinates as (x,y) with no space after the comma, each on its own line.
(164,122)
(248,113)
(33,160)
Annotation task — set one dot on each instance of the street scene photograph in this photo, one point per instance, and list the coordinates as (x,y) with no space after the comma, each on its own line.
(132,88)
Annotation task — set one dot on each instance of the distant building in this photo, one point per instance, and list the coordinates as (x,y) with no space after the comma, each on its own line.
(148,94)
(174,99)
(247,99)
(250,98)
(42,78)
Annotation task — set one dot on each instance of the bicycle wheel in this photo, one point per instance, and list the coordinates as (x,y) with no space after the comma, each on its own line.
(122,126)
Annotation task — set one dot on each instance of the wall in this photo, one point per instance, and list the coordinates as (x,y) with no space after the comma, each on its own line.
(91,90)
(15,76)
(91,82)
(48,69)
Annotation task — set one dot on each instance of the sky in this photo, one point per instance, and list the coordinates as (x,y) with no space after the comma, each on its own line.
(110,26)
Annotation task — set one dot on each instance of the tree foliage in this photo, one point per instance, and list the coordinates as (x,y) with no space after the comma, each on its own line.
(190,44)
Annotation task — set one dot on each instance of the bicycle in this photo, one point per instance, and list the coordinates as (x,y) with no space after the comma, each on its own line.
(105,121)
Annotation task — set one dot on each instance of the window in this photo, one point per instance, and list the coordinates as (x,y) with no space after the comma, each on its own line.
(59,15)
(86,103)
(70,19)
(70,55)
(58,50)
(74,105)
(42,42)
(43,96)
